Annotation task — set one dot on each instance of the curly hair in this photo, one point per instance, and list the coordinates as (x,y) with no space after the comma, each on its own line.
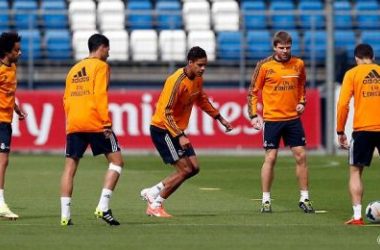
(7,42)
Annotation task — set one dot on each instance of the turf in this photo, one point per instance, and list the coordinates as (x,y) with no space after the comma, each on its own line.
(227,218)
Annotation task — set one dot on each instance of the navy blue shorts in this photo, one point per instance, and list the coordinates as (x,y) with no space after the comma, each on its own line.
(77,143)
(290,131)
(167,146)
(362,146)
(5,137)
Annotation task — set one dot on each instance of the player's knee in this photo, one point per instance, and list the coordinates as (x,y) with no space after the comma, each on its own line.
(116,168)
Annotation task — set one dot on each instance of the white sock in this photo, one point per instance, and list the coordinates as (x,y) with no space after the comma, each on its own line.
(157,202)
(266,197)
(2,201)
(104,202)
(65,207)
(304,195)
(155,190)
(357,211)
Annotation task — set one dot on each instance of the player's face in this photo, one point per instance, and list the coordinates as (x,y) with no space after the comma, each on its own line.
(15,54)
(198,66)
(104,52)
(283,51)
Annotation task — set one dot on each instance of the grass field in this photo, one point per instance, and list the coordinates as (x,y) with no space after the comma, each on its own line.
(203,219)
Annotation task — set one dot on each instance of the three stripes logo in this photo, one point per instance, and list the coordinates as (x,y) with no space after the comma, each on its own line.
(372,77)
(81,76)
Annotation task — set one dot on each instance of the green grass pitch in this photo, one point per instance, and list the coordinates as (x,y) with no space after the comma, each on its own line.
(214,210)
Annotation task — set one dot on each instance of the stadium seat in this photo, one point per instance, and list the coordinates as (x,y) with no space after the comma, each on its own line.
(342,16)
(54,14)
(372,37)
(4,15)
(82,15)
(111,15)
(225,15)
(259,45)
(283,15)
(345,42)
(169,15)
(229,44)
(58,44)
(31,44)
(80,43)
(254,15)
(296,42)
(119,44)
(368,16)
(25,14)
(196,15)
(139,15)
(311,15)
(315,45)
(144,45)
(172,45)
(204,39)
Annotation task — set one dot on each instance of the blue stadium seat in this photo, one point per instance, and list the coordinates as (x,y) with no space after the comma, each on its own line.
(58,44)
(259,44)
(315,45)
(372,38)
(368,16)
(311,15)
(229,44)
(296,42)
(169,15)
(25,14)
(31,43)
(284,20)
(342,17)
(345,41)
(4,15)
(139,15)
(254,20)
(54,14)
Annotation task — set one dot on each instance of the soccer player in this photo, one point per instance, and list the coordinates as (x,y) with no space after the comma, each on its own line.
(88,123)
(362,83)
(10,52)
(182,90)
(281,78)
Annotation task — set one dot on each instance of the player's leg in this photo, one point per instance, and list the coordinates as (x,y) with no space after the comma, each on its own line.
(5,140)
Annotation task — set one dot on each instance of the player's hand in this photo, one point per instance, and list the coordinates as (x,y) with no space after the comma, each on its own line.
(300,109)
(226,124)
(107,132)
(22,114)
(184,142)
(257,123)
(342,140)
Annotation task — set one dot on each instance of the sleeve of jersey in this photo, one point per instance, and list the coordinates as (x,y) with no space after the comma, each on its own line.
(204,103)
(100,94)
(302,86)
(172,91)
(346,92)
(257,83)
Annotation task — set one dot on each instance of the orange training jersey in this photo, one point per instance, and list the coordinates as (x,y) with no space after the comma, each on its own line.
(362,82)
(283,88)
(85,99)
(176,101)
(8,84)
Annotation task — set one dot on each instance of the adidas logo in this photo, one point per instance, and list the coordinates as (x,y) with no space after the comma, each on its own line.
(372,77)
(81,76)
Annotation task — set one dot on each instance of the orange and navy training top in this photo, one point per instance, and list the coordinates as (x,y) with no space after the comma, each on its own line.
(363,83)
(85,99)
(176,101)
(283,88)
(8,85)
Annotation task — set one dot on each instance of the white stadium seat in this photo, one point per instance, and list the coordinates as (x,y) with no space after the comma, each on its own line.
(196,15)
(82,15)
(80,43)
(144,45)
(225,15)
(111,15)
(172,44)
(204,39)
(118,44)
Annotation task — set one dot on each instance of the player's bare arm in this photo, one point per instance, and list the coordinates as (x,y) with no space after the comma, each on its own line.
(22,114)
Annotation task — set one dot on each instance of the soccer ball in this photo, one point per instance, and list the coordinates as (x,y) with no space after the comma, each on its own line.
(372,212)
